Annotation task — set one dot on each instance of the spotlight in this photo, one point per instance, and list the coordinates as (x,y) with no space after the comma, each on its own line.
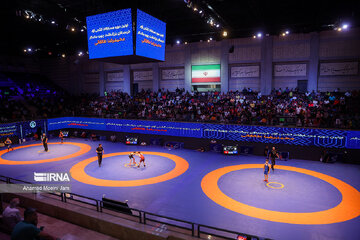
(63,55)
(73,29)
(259,35)
(339,29)
(345,26)
(195,9)
(80,54)
(177,41)
(287,32)
(27,16)
(217,25)
(82,30)
(52,22)
(225,33)
(254,36)
(25,50)
(283,34)
(186,42)
(210,39)
(29,49)
(200,11)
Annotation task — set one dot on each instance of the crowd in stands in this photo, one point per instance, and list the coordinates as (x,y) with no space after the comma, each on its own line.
(287,107)
(32,98)
(311,109)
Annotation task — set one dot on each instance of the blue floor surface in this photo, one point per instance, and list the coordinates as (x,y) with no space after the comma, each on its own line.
(182,197)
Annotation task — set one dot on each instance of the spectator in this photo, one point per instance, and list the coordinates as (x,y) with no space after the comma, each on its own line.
(11,214)
(28,230)
(113,138)
(93,137)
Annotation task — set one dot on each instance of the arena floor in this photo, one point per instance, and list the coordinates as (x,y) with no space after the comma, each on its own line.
(304,199)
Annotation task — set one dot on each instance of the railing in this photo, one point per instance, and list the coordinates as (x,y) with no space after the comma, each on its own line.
(143,216)
(214,231)
(78,198)
(169,220)
(139,212)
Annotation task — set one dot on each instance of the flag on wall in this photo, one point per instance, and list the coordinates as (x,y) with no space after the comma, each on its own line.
(205,73)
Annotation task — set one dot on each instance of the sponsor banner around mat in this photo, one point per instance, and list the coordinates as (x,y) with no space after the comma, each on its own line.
(205,73)
(9,130)
(131,126)
(22,129)
(274,135)
(277,135)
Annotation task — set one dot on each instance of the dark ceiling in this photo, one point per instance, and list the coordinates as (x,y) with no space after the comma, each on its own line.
(241,18)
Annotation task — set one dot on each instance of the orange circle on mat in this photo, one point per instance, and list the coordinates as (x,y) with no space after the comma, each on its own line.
(347,209)
(78,172)
(84,148)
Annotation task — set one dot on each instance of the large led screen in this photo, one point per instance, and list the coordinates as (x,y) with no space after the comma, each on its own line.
(110,34)
(150,36)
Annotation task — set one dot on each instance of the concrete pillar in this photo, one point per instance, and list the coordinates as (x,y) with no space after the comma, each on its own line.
(188,68)
(266,65)
(102,79)
(156,77)
(313,62)
(127,79)
(224,66)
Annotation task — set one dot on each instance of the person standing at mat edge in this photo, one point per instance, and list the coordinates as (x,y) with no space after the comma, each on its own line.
(8,143)
(266,170)
(44,140)
(100,152)
(273,154)
(61,136)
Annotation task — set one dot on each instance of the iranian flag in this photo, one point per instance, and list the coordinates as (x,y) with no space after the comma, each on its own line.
(205,73)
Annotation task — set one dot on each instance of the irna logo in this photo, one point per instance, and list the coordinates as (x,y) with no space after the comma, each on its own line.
(51,177)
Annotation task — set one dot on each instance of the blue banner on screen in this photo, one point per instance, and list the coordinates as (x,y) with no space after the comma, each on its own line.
(28,128)
(150,36)
(9,130)
(22,129)
(110,34)
(275,135)
(130,126)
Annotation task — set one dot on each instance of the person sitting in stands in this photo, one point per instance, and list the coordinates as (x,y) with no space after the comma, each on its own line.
(83,134)
(11,214)
(266,151)
(93,137)
(28,230)
(201,149)
(113,138)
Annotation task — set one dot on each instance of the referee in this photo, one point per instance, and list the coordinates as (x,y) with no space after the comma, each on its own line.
(44,139)
(273,154)
(100,152)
